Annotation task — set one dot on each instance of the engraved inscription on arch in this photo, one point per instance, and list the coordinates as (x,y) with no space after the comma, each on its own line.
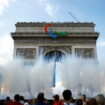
(26,53)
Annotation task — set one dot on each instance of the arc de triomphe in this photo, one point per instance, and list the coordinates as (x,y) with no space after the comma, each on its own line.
(30,40)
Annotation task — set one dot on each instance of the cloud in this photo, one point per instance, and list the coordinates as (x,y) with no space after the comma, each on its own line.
(42,1)
(50,9)
(6,48)
(2,24)
(4,4)
(101,43)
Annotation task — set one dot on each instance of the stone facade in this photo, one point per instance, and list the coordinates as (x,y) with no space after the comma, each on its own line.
(30,40)
(85,52)
(27,53)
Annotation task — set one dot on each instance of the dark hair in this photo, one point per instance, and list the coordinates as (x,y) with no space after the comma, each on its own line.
(17,97)
(67,95)
(56,97)
(8,98)
(21,98)
(84,95)
(40,97)
(79,102)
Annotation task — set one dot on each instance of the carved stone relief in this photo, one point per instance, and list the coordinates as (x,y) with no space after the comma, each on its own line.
(85,52)
(26,53)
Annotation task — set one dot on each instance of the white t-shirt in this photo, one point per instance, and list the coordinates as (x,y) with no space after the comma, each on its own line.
(26,103)
(69,104)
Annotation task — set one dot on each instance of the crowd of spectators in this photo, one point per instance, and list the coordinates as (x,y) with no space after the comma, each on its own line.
(67,100)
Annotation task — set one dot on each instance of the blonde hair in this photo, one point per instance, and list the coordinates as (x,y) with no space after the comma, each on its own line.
(91,101)
(100,99)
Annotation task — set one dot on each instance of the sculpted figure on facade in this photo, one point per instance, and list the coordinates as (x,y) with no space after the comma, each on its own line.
(85,52)
(26,53)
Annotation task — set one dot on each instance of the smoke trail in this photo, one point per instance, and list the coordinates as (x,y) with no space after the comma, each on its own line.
(82,76)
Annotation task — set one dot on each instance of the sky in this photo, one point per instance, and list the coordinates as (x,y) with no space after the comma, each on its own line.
(13,11)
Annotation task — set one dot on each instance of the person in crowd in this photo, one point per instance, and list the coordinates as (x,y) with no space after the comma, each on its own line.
(91,101)
(7,100)
(41,100)
(56,100)
(100,99)
(27,102)
(67,95)
(22,100)
(17,100)
(79,102)
(83,99)
(73,100)
(1,102)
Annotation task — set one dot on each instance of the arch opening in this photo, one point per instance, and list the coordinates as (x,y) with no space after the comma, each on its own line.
(55,55)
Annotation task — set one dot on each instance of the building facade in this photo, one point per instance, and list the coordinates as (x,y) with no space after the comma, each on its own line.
(33,39)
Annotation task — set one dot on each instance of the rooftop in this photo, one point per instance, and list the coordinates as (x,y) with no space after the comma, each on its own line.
(54,24)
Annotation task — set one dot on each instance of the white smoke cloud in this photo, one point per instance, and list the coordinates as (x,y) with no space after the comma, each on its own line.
(4,4)
(37,78)
(85,76)
(6,48)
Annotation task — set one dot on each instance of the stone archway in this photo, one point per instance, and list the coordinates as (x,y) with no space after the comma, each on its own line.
(54,55)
